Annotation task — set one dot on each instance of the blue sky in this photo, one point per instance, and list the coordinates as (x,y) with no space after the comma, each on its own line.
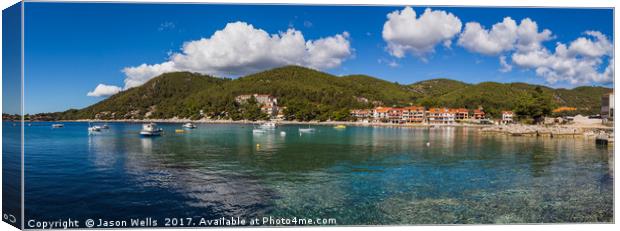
(71,48)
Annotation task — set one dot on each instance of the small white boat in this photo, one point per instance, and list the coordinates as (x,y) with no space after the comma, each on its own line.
(57,125)
(189,126)
(282,133)
(268,125)
(151,129)
(258,131)
(105,126)
(306,130)
(94,129)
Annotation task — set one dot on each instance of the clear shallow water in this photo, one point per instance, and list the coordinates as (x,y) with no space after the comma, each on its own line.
(359,175)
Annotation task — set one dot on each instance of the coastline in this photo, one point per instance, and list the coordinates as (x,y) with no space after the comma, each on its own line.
(489,127)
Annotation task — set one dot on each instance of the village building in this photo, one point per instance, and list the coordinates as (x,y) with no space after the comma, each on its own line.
(361,114)
(413,114)
(395,115)
(479,114)
(461,114)
(507,117)
(607,107)
(380,114)
(268,104)
(440,116)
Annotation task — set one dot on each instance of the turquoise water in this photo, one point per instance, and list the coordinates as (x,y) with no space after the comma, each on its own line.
(358,175)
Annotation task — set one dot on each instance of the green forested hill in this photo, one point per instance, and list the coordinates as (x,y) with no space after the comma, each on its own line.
(309,94)
(162,96)
(437,87)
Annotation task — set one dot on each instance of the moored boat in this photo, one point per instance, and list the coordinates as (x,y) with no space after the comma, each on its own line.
(57,125)
(306,130)
(258,131)
(151,129)
(189,126)
(341,126)
(94,129)
(268,125)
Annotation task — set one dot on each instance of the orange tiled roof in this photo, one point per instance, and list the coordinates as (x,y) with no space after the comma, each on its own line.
(382,109)
(561,109)
(438,110)
(462,110)
(414,108)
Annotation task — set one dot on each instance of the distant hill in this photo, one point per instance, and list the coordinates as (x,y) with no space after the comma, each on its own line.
(310,94)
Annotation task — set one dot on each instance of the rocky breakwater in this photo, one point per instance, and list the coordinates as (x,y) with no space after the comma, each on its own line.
(535,130)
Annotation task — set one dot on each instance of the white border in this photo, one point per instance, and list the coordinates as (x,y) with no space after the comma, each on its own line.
(470,3)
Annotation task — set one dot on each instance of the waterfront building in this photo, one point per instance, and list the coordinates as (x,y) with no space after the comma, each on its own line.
(395,115)
(607,107)
(507,117)
(380,114)
(461,114)
(479,114)
(413,114)
(440,116)
(361,114)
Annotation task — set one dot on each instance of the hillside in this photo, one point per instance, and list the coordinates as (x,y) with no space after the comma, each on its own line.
(309,94)
(437,87)
(159,97)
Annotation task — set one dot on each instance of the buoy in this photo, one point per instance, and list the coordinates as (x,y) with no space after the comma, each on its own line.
(282,133)
(428,144)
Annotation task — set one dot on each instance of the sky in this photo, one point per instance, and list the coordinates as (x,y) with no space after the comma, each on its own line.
(77,54)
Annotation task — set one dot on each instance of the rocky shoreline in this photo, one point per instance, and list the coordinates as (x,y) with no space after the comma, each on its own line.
(547,131)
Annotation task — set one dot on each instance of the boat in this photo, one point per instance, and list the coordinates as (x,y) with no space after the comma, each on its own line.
(341,126)
(179,131)
(94,129)
(105,126)
(57,125)
(258,131)
(306,130)
(151,129)
(268,125)
(189,125)
(282,133)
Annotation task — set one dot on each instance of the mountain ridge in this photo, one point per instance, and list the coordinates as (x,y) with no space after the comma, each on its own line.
(316,95)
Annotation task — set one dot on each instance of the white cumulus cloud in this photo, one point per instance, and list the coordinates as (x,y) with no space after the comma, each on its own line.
(597,47)
(528,36)
(103,90)
(578,63)
(240,48)
(405,32)
(504,65)
(503,36)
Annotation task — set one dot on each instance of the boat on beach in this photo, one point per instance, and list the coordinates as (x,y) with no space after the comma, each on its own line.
(151,129)
(189,126)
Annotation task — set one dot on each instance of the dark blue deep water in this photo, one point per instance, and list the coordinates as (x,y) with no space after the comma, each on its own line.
(358,175)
